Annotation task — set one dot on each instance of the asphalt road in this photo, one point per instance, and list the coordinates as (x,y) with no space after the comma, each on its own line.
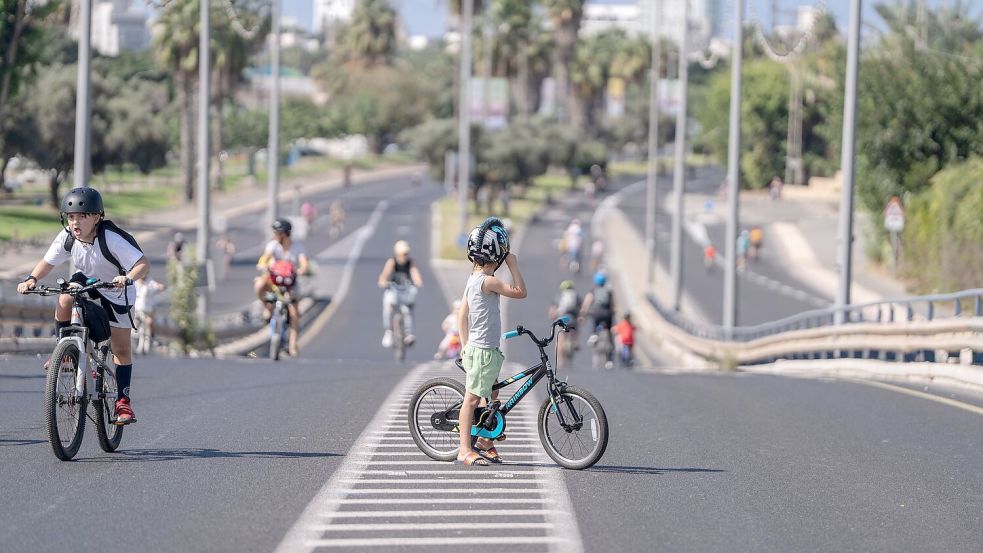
(227,454)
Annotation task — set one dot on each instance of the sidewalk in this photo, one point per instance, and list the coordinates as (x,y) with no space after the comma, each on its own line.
(226,204)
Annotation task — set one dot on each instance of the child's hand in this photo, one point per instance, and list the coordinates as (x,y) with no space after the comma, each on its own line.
(23,287)
(120,281)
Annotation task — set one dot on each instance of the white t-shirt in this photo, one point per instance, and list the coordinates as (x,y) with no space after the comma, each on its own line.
(146,295)
(575,237)
(292,255)
(89,260)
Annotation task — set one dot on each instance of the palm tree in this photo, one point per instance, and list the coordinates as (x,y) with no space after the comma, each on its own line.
(176,44)
(565,16)
(370,38)
(230,56)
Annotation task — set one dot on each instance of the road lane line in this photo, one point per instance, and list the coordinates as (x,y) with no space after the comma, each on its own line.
(931,397)
(365,233)
(463,540)
(348,494)
(390,526)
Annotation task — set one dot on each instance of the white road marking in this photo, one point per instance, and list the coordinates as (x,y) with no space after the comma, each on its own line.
(931,397)
(381,471)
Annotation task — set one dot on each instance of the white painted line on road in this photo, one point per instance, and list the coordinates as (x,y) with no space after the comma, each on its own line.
(931,397)
(422,493)
(443,500)
(393,526)
(364,234)
(472,491)
(463,540)
(441,513)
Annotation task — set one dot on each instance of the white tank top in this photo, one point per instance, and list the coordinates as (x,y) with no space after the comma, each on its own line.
(484,313)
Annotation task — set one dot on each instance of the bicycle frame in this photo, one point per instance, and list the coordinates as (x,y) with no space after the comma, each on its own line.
(533,376)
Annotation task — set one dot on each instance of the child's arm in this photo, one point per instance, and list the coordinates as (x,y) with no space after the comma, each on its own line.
(387,273)
(41,270)
(462,320)
(139,270)
(516,290)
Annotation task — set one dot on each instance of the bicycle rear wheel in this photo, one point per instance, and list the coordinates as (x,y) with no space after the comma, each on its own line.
(583,442)
(276,336)
(435,396)
(399,338)
(64,408)
(104,406)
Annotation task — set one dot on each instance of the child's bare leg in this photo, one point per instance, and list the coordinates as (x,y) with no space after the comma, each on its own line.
(465,420)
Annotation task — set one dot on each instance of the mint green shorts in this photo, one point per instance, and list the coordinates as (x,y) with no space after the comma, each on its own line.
(482,366)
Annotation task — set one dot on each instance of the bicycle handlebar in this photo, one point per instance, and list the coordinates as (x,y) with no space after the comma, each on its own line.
(563,322)
(64,288)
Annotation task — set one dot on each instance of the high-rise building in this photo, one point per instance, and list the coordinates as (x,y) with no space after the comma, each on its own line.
(671,20)
(601,17)
(117,26)
(328,12)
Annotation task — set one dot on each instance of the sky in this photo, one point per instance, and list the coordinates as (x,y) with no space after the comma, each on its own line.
(427,17)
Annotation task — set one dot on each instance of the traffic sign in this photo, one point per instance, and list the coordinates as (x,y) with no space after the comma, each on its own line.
(894,215)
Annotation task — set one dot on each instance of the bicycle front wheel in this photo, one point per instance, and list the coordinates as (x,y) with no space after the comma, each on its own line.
(109,434)
(276,338)
(582,442)
(436,396)
(64,405)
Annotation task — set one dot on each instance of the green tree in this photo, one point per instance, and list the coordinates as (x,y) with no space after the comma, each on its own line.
(370,38)
(22,43)
(176,44)
(565,17)
(138,133)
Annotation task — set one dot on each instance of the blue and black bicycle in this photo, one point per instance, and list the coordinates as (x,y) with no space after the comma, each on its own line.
(571,423)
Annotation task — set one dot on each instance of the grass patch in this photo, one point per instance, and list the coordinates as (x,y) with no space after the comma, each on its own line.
(521,209)
(32,223)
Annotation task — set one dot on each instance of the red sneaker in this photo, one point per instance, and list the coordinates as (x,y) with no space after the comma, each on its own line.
(124,415)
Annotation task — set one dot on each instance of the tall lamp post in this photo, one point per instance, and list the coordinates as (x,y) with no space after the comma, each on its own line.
(273,145)
(652,176)
(464,118)
(733,171)
(678,176)
(83,108)
(204,224)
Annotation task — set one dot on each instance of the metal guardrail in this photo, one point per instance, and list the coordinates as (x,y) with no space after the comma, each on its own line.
(927,308)
(935,328)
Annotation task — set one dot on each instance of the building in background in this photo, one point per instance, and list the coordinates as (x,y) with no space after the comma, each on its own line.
(671,23)
(601,17)
(117,26)
(330,12)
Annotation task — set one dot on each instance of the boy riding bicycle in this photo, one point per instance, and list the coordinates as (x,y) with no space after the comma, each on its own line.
(99,249)
(480,321)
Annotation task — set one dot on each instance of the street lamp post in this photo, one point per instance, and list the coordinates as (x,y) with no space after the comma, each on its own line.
(847,160)
(273,144)
(464,118)
(83,107)
(204,224)
(652,176)
(676,262)
(733,172)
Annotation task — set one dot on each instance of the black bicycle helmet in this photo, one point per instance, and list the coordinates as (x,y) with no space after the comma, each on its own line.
(82,200)
(283,225)
(488,243)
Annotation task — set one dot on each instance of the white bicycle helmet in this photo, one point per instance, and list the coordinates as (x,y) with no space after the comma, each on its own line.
(488,243)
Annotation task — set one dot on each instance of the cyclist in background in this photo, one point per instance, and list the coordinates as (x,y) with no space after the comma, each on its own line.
(599,304)
(573,240)
(401,279)
(757,236)
(336,214)
(567,302)
(625,331)
(146,299)
(281,248)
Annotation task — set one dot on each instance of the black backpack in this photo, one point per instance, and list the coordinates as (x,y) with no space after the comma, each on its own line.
(103,247)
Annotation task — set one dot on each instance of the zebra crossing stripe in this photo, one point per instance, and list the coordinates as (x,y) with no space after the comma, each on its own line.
(387,493)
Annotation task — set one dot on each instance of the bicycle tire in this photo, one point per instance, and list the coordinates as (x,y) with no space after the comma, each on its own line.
(399,344)
(54,402)
(108,433)
(276,342)
(597,425)
(439,445)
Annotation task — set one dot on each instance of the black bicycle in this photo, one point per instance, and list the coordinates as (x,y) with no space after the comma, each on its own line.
(75,357)
(571,423)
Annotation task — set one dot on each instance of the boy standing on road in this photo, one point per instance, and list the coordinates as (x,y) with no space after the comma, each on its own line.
(99,249)
(480,321)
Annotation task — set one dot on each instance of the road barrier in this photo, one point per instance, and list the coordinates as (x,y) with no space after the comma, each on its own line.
(936,328)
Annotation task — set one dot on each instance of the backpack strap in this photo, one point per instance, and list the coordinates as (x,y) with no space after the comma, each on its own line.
(104,247)
(69,242)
